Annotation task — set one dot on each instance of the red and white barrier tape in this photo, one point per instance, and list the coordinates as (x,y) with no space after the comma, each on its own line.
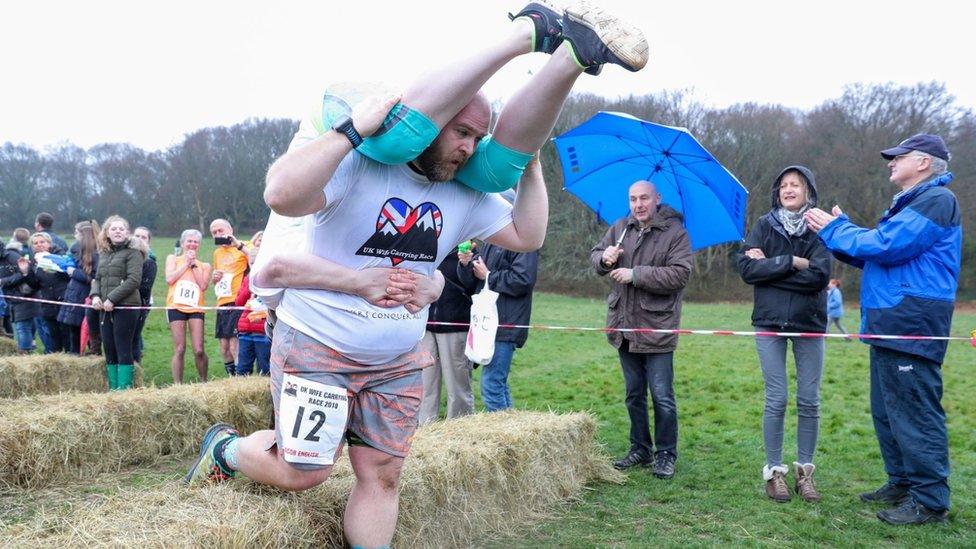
(971,339)
(723,332)
(140,307)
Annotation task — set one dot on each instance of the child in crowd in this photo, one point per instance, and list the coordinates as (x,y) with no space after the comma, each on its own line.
(835,304)
(253,344)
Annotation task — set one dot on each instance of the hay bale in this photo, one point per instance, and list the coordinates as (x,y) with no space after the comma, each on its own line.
(45,439)
(7,346)
(467,479)
(27,375)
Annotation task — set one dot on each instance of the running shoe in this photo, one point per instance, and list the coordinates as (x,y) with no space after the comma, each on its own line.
(206,469)
(599,37)
(547,20)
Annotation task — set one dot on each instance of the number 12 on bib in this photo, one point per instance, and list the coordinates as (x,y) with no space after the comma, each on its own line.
(312,420)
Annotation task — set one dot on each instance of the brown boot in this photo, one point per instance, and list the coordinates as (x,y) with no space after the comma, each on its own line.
(804,482)
(775,478)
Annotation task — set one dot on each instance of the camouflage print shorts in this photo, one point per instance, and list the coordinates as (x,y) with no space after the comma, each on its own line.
(383,399)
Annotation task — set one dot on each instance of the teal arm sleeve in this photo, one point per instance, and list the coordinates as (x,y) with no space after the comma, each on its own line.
(493,167)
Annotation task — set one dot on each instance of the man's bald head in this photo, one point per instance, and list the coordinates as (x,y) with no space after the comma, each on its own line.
(457,141)
(643,186)
(221,227)
(644,200)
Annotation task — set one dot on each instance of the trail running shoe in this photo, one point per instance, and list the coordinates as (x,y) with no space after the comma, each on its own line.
(547,19)
(206,469)
(598,37)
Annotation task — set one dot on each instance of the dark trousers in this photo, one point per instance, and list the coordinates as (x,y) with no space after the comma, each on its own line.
(94,331)
(117,329)
(906,394)
(253,348)
(654,372)
(74,338)
(137,335)
(60,336)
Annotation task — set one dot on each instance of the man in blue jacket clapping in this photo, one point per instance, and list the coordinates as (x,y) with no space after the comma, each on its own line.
(911,271)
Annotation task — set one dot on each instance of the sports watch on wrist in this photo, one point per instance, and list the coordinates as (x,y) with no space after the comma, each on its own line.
(344,126)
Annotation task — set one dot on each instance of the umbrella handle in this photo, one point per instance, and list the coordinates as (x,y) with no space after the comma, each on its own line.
(622,235)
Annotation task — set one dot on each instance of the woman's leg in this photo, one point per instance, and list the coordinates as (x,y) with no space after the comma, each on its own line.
(772,360)
(809,356)
(74,339)
(137,336)
(123,330)
(94,331)
(106,327)
(107,331)
(177,328)
(196,340)
(442,93)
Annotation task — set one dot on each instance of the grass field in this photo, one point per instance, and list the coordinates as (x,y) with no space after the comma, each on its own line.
(717,496)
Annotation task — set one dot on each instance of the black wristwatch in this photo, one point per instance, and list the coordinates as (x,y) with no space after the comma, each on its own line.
(345,127)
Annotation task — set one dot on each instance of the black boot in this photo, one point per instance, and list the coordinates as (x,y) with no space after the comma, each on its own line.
(632,459)
(893,494)
(911,512)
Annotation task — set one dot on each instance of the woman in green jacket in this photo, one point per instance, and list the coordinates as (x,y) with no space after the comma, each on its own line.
(116,283)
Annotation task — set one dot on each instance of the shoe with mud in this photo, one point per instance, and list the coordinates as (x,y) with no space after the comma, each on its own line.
(598,37)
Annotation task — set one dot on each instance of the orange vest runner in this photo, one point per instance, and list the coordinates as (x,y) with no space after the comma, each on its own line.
(233,263)
(182,291)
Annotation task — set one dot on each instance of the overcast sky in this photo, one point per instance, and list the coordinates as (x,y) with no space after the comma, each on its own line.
(149,72)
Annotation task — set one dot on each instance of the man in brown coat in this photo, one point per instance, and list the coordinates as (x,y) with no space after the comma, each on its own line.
(648,256)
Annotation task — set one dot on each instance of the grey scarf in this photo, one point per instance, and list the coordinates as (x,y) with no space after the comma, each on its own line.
(793,222)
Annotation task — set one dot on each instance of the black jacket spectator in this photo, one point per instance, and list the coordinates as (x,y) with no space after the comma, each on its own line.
(513,276)
(53,284)
(785,298)
(16,284)
(148,279)
(454,305)
(78,287)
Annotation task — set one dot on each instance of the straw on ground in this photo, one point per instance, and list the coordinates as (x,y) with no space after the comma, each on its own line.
(467,479)
(28,375)
(46,439)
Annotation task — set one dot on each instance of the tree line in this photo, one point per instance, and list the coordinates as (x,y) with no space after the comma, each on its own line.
(219,172)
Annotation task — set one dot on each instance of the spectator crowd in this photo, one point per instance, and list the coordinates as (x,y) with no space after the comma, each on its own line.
(95,296)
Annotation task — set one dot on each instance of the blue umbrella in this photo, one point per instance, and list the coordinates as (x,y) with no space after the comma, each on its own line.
(603,156)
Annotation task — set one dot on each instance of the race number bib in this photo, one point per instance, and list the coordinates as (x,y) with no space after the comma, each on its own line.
(186,293)
(222,288)
(312,420)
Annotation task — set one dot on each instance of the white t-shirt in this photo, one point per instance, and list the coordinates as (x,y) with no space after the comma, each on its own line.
(384,216)
(282,234)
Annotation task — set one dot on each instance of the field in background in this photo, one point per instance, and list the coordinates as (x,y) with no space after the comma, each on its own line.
(717,495)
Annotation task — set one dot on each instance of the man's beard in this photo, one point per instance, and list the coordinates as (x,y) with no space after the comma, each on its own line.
(434,167)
